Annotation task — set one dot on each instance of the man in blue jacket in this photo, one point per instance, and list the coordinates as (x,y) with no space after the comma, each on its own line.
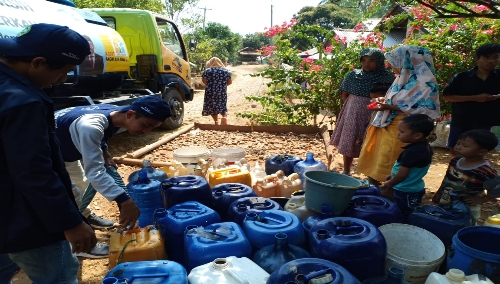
(41,226)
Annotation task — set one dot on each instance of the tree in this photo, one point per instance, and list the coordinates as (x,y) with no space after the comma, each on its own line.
(327,16)
(454,8)
(216,40)
(255,40)
(357,7)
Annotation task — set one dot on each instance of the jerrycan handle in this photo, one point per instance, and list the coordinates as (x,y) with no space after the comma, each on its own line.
(236,276)
(440,212)
(327,273)
(149,275)
(271,219)
(373,202)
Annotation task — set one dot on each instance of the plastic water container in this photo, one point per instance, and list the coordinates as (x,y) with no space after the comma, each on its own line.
(261,228)
(160,271)
(493,221)
(374,209)
(395,276)
(356,245)
(241,207)
(442,223)
(230,154)
(152,172)
(146,194)
(173,222)
(189,156)
(326,212)
(232,174)
(415,250)
(226,193)
(476,250)
(136,245)
(290,184)
(297,206)
(269,186)
(271,258)
(312,270)
(283,163)
(367,189)
(456,276)
(229,270)
(204,244)
(309,164)
(180,189)
(329,187)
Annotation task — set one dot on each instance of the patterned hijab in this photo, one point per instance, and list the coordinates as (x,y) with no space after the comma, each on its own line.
(214,62)
(415,90)
(359,82)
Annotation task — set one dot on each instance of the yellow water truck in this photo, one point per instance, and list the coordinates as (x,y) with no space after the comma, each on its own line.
(135,53)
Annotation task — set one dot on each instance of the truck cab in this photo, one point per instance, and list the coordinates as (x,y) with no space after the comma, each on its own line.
(158,56)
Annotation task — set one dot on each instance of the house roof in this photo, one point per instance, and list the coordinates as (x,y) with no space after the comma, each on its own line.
(248,51)
(371,23)
(349,34)
(394,37)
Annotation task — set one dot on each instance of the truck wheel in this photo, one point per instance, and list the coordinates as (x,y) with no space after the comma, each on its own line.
(174,99)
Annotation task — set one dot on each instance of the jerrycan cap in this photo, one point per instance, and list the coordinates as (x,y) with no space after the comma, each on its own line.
(220,264)
(494,220)
(455,275)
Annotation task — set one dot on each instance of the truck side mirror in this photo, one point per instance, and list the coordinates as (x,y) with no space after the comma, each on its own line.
(192,44)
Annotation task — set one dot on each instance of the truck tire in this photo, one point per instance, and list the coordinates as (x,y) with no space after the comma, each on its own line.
(174,99)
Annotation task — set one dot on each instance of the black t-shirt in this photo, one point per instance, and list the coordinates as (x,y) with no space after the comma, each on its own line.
(474,114)
(416,155)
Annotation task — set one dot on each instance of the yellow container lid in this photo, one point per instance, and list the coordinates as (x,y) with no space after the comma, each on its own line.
(494,220)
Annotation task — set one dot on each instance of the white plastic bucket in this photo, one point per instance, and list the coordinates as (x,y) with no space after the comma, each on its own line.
(190,155)
(229,270)
(415,250)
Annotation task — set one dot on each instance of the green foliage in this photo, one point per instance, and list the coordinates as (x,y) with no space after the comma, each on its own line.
(289,102)
(151,5)
(256,40)
(327,16)
(215,40)
(357,7)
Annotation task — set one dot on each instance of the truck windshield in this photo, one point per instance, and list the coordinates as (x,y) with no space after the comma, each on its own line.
(170,37)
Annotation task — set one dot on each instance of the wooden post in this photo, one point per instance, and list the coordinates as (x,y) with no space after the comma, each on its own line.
(151,147)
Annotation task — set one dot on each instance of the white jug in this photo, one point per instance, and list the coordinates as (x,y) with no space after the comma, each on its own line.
(455,276)
(229,270)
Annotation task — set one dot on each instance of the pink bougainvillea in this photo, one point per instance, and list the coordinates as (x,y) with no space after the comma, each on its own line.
(279,29)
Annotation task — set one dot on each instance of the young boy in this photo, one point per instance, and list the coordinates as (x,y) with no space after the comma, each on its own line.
(462,187)
(406,181)
(474,94)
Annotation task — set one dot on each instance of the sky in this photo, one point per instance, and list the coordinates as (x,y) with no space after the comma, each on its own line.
(246,17)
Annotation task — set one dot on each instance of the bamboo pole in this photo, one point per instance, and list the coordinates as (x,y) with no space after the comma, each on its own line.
(139,162)
(150,147)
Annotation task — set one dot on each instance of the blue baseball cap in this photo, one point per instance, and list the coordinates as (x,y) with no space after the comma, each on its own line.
(50,41)
(151,107)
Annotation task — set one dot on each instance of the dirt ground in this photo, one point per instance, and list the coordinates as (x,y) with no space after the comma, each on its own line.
(261,147)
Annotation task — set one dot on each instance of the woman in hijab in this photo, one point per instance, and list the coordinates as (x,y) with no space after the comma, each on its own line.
(415,90)
(354,116)
(216,79)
